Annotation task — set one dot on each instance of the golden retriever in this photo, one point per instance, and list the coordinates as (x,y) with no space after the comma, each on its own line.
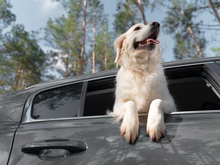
(141,85)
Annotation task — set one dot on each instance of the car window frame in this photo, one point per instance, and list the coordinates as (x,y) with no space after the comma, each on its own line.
(210,75)
(27,118)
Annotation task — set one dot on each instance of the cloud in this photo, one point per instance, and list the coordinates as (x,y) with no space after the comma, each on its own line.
(47,6)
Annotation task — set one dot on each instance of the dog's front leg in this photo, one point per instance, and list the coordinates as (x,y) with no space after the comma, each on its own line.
(155,121)
(130,123)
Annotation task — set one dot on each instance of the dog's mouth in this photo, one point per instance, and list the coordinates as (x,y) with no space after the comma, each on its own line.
(149,42)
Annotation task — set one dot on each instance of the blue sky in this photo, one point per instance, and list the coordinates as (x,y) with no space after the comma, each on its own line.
(34,14)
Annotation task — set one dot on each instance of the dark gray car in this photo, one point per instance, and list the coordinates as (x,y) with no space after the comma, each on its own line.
(64,121)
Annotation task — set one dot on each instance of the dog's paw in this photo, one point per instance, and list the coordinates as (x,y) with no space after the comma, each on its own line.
(155,128)
(129,129)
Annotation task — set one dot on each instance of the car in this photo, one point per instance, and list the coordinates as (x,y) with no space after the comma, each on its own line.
(65,121)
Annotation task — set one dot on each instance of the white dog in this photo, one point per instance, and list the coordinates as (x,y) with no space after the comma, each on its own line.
(141,83)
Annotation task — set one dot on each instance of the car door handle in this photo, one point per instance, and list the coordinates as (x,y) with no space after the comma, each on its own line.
(72,146)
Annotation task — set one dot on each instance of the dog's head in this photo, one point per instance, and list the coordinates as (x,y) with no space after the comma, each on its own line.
(139,46)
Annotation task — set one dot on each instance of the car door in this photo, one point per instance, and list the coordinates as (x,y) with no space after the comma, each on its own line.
(65,125)
(189,139)
(51,131)
(10,114)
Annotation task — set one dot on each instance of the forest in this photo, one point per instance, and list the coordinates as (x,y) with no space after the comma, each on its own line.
(82,41)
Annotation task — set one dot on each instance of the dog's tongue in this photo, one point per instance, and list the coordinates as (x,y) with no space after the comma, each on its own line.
(154,41)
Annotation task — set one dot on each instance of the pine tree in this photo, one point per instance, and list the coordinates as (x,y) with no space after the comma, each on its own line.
(95,21)
(83,37)
(128,14)
(190,41)
(66,35)
(23,60)
(185,48)
(104,49)
(62,34)
(6,16)
(215,5)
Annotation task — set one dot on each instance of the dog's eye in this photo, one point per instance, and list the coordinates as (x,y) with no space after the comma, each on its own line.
(137,28)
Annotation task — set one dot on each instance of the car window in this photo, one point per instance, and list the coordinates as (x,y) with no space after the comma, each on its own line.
(99,91)
(190,88)
(57,103)
(194,93)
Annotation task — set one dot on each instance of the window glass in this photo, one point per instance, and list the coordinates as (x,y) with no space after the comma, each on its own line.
(57,103)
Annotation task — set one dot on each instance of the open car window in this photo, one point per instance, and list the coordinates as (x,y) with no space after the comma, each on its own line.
(190,87)
(100,97)
(194,93)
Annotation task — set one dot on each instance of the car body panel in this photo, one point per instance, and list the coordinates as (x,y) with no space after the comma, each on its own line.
(190,139)
(7,130)
(11,107)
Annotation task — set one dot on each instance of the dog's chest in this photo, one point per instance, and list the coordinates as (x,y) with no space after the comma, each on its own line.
(144,93)
(139,88)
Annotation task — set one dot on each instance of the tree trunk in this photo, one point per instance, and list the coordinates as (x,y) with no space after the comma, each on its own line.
(142,11)
(93,53)
(28,79)
(214,10)
(23,79)
(67,63)
(197,45)
(185,55)
(106,67)
(83,39)
(192,35)
(17,77)
(67,57)
(74,67)
(75,64)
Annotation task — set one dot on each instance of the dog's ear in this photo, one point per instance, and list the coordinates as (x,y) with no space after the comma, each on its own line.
(118,45)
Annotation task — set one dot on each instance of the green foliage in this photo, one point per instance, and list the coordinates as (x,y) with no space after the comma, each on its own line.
(128,14)
(124,19)
(185,47)
(95,14)
(24,63)
(64,34)
(59,31)
(216,50)
(104,49)
(23,60)
(180,17)
(102,40)
(6,17)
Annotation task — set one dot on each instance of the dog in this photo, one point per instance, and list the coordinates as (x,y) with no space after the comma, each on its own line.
(141,86)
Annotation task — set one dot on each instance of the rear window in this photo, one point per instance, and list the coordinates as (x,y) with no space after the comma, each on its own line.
(189,93)
(189,86)
(57,103)
(194,93)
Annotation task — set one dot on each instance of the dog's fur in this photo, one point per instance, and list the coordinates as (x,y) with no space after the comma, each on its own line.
(141,85)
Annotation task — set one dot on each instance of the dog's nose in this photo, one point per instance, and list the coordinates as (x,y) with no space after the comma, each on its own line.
(155,24)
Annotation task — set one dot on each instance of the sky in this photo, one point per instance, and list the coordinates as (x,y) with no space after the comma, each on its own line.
(34,14)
